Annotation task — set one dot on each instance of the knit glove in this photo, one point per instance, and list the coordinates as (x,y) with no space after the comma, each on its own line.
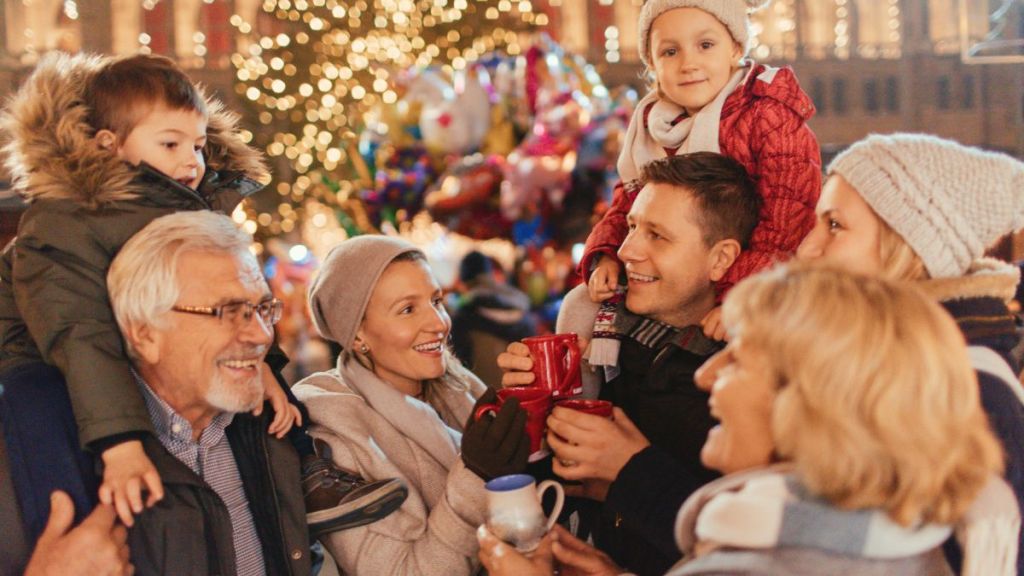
(496,445)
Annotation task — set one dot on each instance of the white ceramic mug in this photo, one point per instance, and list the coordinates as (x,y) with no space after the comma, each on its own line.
(514,513)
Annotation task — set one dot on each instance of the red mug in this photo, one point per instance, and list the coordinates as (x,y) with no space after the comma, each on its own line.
(596,407)
(537,404)
(556,364)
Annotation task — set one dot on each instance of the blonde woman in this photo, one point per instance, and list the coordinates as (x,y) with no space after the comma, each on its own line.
(918,208)
(864,390)
(397,405)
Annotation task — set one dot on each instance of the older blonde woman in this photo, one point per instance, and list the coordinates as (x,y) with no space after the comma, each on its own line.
(397,405)
(918,208)
(864,389)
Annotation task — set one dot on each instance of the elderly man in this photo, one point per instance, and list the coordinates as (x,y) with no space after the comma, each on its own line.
(197,319)
(689,223)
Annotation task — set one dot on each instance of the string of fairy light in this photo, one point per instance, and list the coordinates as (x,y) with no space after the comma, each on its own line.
(312,85)
(329,61)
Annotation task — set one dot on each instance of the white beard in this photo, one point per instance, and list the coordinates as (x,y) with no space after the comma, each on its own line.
(243,397)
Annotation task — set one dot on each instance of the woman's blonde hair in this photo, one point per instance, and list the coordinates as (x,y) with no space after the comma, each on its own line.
(899,261)
(456,376)
(878,404)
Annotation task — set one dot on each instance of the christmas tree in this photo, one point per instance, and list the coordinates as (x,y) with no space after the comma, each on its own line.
(321,64)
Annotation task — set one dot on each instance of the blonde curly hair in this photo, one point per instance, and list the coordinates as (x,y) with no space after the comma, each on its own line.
(878,404)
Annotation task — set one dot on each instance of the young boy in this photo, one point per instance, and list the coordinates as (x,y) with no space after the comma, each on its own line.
(100,147)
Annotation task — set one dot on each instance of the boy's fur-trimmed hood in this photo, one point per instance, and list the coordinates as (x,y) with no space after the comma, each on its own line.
(48,144)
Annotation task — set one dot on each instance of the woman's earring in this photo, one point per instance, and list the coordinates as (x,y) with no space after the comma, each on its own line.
(364,349)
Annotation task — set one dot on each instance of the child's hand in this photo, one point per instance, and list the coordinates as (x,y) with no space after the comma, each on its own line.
(126,471)
(604,280)
(285,414)
(712,324)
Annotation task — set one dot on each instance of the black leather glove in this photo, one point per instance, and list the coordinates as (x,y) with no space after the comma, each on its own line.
(496,445)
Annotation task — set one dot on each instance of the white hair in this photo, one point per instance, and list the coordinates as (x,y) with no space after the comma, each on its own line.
(143,278)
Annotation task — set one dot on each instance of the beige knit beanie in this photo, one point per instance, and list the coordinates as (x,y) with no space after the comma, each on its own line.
(732,13)
(341,291)
(948,201)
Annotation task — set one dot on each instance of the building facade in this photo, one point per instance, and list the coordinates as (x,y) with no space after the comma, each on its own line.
(869,65)
(954,68)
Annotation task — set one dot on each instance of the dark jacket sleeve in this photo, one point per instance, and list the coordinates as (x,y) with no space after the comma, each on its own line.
(609,233)
(648,494)
(60,287)
(788,179)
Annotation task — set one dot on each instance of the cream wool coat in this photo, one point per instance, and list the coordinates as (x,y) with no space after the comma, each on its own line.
(379,432)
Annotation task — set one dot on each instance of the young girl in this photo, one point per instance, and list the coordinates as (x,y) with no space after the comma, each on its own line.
(708,97)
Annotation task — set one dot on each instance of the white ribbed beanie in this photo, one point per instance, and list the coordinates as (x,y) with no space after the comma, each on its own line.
(948,201)
(732,13)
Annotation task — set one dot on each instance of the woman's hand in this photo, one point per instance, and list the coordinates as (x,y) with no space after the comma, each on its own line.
(500,559)
(494,446)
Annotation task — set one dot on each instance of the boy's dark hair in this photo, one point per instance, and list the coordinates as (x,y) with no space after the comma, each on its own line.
(728,201)
(125,90)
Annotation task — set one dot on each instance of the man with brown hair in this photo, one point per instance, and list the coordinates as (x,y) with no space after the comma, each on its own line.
(689,223)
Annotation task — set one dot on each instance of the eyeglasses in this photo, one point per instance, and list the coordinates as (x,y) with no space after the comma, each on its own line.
(239,313)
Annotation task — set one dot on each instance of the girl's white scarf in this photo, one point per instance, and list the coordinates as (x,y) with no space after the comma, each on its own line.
(770,508)
(697,133)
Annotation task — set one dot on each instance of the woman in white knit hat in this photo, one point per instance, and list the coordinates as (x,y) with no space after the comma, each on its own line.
(398,405)
(919,208)
(707,96)
(819,361)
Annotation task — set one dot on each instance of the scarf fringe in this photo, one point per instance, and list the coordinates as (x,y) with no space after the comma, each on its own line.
(604,352)
(990,546)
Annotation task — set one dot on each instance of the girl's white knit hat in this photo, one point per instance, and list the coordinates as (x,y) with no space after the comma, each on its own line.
(948,201)
(732,13)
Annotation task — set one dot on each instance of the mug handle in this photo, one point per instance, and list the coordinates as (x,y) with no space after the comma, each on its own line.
(573,357)
(559,499)
(492,408)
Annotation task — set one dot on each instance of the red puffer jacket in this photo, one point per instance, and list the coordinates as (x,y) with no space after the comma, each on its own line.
(764,128)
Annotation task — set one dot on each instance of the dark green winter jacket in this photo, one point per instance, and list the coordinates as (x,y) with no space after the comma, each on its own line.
(83,205)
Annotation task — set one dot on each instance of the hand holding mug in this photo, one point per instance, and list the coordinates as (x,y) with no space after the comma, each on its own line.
(496,445)
(536,402)
(517,365)
(514,512)
(595,446)
(602,408)
(500,559)
(556,363)
(573,556)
